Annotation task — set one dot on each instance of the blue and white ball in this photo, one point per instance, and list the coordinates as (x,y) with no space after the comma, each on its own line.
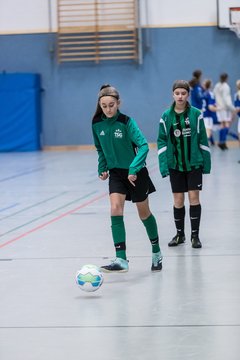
(89,278)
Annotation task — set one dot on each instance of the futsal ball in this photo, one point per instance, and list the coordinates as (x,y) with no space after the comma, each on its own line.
(89,278)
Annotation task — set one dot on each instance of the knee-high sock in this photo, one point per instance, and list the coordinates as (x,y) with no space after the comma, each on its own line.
(119,236)
(152,231)
(211,139)
(195,216)
(226,133)
(222,137)
(179,218)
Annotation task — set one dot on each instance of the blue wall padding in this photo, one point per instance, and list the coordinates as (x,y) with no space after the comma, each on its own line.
(20,112)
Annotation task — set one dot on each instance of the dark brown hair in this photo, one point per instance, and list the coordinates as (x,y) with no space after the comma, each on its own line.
(105,90)
(197,74)
(223,77)
(207,84)
(196,78)
(182,84)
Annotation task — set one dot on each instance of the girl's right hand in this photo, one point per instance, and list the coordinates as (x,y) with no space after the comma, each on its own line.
(104,175)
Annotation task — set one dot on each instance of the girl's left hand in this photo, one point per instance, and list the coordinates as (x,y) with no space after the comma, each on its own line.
(104,175)
(132,178)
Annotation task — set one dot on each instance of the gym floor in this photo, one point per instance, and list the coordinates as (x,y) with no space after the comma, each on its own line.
(54,217)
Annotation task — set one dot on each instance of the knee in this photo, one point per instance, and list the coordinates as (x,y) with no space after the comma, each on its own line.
(194,203)
(178,200)
(143,210)
(116,210)
(144,214)
(178,204)
(194,200)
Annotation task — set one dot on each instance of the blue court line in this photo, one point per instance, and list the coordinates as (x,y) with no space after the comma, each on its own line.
(49,213)
(34,205)
(21,174)
(9,207)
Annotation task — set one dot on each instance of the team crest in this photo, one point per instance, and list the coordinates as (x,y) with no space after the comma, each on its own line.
(118,134)
(177,132)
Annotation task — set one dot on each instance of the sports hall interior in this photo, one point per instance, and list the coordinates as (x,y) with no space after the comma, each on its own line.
(54,211)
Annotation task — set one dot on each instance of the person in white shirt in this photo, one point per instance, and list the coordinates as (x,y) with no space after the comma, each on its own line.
(226,110)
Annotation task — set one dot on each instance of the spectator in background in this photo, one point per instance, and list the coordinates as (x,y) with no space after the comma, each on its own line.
(237,105)
(209,110)
(226,109)
(196,93)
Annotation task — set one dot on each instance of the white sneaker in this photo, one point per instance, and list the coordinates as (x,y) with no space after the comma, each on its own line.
(156,261)
(118,265)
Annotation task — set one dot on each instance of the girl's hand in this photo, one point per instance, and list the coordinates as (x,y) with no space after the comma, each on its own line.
(104,175)
(132,178)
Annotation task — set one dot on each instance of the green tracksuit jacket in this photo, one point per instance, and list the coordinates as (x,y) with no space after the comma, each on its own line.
(119,143)
(194,139)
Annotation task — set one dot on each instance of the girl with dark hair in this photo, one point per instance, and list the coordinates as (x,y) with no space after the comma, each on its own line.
(184,154)
(122,151)
(209,110)
(196,89)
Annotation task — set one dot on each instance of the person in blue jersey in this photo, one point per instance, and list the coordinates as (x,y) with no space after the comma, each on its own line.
(196,93)
(237,106)
(184,155)
(122,151)
(209,110)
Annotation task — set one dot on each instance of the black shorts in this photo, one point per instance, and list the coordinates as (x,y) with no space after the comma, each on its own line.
(183,181)
(119,183)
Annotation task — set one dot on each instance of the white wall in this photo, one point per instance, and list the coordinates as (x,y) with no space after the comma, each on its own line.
(171,13)
(27,16)
(32,16)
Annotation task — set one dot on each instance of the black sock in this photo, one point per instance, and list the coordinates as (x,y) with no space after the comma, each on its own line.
(179,217)
(195,216)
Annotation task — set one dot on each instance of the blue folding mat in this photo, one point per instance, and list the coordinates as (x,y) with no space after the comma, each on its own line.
(20,112)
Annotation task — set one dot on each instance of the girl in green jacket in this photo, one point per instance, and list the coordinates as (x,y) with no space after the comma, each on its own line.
(184,154)
(122,151)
